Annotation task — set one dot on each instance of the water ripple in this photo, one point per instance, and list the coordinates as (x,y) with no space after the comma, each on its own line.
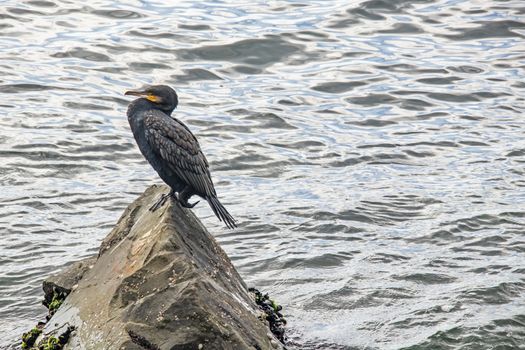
(371,150)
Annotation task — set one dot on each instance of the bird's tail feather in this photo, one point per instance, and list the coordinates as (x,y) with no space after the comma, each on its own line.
(220,211)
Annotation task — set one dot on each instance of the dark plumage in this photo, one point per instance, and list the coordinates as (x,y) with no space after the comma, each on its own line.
(172,149)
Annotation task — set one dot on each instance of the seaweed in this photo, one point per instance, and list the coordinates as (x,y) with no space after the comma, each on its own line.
(53,343)
(29,338)
(272,314)
(55,302)
(47,342)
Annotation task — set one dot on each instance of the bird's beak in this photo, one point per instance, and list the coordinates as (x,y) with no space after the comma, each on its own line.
(147,95)
(135,93)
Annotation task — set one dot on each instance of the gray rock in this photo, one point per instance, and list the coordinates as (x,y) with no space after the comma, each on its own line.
(64,281)
(161,281)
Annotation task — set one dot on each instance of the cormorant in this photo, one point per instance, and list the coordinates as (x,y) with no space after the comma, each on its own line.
(172,150)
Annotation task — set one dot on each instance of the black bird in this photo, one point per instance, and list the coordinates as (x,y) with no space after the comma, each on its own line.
(172,150)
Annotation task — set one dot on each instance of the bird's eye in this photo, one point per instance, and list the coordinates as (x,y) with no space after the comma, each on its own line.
(153,98)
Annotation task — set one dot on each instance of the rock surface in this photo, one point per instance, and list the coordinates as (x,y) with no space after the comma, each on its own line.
(66,280)
(160,281)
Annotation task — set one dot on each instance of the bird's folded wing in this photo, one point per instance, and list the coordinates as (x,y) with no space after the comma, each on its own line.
(178,147)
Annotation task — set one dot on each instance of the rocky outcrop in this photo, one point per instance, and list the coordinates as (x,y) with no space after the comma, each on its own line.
(160,281)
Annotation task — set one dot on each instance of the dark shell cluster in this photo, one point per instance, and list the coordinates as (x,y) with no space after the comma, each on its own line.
(273,314)
(48,341)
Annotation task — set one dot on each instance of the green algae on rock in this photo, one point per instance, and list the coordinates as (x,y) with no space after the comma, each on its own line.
(49,342)
(272,314)
(56,301)
(56,288)
(35,339)
(29,338)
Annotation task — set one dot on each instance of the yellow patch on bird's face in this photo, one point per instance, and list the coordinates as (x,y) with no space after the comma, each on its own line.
(152,98)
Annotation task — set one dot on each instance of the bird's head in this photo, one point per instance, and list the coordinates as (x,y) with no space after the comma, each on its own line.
(161,96)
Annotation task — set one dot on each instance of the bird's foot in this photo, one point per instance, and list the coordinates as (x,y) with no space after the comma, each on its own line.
(184,195)
(186,204)
(162,200)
